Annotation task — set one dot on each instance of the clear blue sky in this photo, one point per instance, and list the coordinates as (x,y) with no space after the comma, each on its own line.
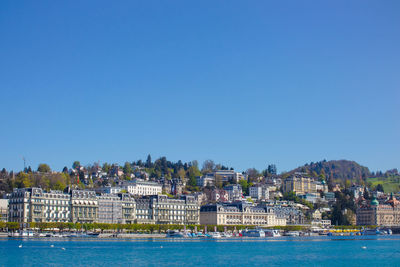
(245,83)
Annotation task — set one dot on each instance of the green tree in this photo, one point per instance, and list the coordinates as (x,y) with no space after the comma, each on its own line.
(43,167)
(106,167)
(23,180)
(12,226)
(245,186)
(272,169)
(149,164)
(193,172)
(127,168)
(76,165)
(182,173)
(379,188)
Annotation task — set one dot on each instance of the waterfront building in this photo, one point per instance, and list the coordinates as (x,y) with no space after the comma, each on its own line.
(128,208)
(175,211)
(374,213)
(35,205)
(160,209)
(3,210)
(144,211)
(287,210)
(84,206)
(300,185)
(139,187)
(234,192)
(259,191)
(238,213)
(110,208)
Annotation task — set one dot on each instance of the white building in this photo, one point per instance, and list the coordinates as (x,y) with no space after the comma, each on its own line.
(234,192)
(36,205)
(205,180)
(259,192)
(142,188)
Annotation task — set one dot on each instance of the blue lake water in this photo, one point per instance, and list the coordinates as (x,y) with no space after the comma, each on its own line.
(284,251)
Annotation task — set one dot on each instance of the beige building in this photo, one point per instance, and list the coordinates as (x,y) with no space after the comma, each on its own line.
(238,214)
(386,214)
(300,185)
(128,209)
(84,206)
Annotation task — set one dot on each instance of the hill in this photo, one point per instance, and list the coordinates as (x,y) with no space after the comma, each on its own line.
(336,171)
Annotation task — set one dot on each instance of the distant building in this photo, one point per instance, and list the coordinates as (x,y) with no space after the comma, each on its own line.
(109,190)
(313,197)
(357,191)
(330,196)
(238,214)
(205,180)
(218,195)
(259,191)
(140,187)
(234,192)
(300,185)
(229,176)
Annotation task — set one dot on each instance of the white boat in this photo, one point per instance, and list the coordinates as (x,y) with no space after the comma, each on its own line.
(215,235)
(227,234)
(57,235)
(292,233)
(26,233)
(272,233)
(174,233)
(23,233)
(253,233)
(40,235)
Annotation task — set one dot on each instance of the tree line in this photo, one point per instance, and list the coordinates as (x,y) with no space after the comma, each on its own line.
(134,228)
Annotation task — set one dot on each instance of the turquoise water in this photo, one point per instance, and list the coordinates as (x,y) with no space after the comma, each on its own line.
(306,251)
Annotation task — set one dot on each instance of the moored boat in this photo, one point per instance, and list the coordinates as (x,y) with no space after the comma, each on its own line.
(174,233)
(253,233)
(215,235)
(272,233)
(292,233)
